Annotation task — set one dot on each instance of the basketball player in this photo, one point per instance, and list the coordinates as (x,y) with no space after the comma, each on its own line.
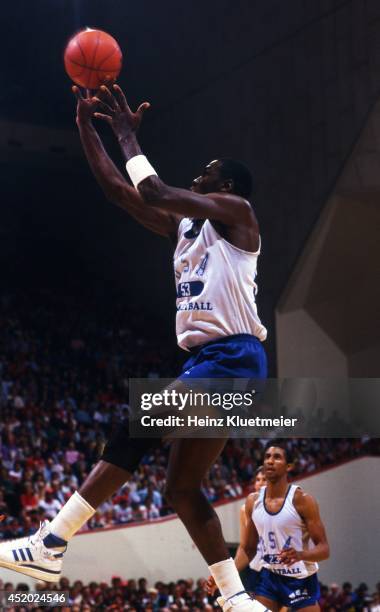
(284,526)
(215,264)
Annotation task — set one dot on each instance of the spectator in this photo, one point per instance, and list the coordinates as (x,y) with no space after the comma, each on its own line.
(346,599)
(29,500)
(375,604)
(123,512)
(50,506)
(152,511)
(362,597)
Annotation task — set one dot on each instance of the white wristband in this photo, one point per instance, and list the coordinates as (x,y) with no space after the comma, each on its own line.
(139,169)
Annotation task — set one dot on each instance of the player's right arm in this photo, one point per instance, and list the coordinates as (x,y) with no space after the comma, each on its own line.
(116,189)
(248,535)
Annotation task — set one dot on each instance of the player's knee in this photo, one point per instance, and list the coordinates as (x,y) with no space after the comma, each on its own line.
(178,495)
(126,452)
(171,494)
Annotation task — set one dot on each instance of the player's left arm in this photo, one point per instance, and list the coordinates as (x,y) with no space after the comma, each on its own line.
(229,209)
(308,509)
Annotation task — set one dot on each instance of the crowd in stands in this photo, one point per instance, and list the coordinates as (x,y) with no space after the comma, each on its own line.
(186,595)
(64,371)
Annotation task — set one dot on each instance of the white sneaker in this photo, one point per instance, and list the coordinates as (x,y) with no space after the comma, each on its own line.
(241,603)
(30,556)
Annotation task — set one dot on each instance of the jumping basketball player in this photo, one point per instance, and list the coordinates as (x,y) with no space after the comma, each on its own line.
(285,528)
(215,260)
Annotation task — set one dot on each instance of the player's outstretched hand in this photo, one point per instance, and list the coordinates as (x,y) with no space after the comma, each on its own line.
(117,113)
(288,556)
(210,585)
(86,105)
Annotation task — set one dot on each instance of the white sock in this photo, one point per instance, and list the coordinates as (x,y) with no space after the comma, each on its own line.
(226,577)
(75,513)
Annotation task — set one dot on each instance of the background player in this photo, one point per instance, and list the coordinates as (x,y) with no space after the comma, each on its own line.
(284,527)
(291,537)
(217,234)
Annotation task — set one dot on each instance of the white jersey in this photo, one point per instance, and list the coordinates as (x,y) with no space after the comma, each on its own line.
(282,529)
(215,283)
(257,562)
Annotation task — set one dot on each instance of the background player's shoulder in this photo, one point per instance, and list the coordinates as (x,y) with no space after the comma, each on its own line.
(303,500)
(251,500)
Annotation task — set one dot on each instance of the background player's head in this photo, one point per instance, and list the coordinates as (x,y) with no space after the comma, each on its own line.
(278,460)
(224,175)
(259,479)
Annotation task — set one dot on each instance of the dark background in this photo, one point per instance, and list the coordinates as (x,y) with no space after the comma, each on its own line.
(284,85)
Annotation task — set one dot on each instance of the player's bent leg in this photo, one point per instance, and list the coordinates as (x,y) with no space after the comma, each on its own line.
(120,458)
(102,482)
(41,554)
(189,461)
(313,608)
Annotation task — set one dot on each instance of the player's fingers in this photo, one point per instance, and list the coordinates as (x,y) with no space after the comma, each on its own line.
(107,97)
(102,117)
(120,96)
(103,106)
(77,92)
(288,560)
(142,108)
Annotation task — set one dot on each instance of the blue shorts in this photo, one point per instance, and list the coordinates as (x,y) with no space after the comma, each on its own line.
(293,593)
(251,579)
(239,356)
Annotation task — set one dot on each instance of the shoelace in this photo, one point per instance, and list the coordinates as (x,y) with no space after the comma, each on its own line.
(35,535)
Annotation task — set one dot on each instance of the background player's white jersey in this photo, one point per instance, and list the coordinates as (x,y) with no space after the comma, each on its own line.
(281,530)
(215,283)
(257,562)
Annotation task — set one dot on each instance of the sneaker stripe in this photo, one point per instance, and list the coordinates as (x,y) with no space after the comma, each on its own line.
(15,555)
(28,552)
(42,569)
(22,554)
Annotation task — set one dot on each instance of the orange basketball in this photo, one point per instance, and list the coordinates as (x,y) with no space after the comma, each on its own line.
(92,57)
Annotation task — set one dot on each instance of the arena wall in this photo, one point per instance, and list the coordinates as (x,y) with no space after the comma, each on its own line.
(349,499)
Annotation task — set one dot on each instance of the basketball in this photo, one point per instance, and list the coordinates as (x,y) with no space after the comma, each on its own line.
(92,57)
